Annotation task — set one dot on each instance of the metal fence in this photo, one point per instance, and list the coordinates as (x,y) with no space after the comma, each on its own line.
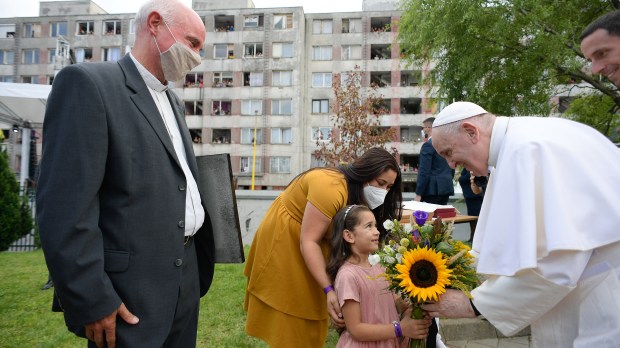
(27,242)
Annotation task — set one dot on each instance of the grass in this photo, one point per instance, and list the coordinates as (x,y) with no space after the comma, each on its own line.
(27,319)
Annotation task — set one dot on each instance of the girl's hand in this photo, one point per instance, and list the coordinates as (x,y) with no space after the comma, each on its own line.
(333,308)
(415,328)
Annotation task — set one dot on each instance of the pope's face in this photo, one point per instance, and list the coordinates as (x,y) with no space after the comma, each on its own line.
(603,50)
(462,149)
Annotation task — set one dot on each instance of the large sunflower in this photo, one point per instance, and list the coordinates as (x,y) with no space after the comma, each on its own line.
(423,273)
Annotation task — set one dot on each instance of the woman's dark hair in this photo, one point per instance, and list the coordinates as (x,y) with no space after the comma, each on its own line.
(345,219)
(369,166)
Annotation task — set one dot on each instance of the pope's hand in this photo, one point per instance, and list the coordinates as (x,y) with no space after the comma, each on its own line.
(451,304)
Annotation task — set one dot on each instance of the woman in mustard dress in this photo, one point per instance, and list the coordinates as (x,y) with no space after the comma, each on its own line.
(289,298)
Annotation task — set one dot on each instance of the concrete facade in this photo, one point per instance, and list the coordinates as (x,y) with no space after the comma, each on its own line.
(263,69)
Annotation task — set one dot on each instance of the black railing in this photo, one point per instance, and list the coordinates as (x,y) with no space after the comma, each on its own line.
(28,241)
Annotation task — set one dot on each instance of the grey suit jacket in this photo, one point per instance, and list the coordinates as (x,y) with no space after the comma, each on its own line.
(111,198)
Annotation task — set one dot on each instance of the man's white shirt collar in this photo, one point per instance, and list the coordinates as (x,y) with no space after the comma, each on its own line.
(497,138)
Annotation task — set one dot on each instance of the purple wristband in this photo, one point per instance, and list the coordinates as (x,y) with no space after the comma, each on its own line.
(328,289)
(397,329)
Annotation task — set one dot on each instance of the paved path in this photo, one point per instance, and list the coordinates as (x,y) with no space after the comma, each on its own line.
(506,342)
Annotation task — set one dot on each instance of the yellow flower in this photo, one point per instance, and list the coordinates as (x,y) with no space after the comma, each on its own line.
(423,274)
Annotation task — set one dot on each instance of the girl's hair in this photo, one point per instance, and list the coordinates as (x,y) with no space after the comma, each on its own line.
(367,167)
(346,219)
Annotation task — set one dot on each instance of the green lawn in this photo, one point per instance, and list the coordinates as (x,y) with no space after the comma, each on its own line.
(27,320)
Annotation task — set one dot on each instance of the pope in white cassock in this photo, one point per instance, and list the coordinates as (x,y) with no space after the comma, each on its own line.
(548,235)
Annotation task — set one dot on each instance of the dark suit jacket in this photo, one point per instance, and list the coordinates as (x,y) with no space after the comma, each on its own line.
(434,173)
(111,198)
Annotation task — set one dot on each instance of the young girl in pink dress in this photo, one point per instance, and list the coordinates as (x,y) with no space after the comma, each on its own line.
(368,307)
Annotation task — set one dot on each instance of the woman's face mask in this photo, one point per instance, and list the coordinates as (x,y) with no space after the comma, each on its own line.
(375,196)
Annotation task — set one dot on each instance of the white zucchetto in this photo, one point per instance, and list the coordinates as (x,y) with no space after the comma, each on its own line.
(458,111)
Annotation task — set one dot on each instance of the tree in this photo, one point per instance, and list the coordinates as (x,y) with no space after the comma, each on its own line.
(356,113)
(509,56)
(15,214)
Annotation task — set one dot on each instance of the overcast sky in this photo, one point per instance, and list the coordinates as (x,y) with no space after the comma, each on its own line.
(30,8)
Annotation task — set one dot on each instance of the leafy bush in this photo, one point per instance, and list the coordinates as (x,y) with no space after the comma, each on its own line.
(15,214)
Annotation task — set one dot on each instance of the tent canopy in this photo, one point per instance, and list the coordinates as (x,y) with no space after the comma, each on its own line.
(22,102)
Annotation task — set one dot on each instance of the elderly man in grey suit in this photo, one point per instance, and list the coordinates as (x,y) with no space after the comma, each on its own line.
(126,238)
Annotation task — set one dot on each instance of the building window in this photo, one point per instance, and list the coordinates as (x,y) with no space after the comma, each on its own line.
(253,21)
(352,25)
(247,136)
(381,78)
(132,26)
(246,165)
(223,79)
(7,31)
(31,56)
(50,80)
(380,24)
(380,51)
(221,107)
(321,133)
(282,107)
(253,50)
(322,26)
(221,136)
(252,107)
(6,78)
(410,78)
(85,28)
(280,164)
(111,54)
(252,79)
(193,107)
(282,78)
(351,52)
(30,79)
(32,30)
(51,56)
(321,52)
(282,49)
(196,135)
(321,79)
(281,136)
(320,106)
(83,55)
(410,106)
(112,27)
(223,51)
(58,29)
(284,21)
(224,23)
(6,57)
(193,80)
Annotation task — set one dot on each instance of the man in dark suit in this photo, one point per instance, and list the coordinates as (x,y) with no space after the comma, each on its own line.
(434,184)
(127,241)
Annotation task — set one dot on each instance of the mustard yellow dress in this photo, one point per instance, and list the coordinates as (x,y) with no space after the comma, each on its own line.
(285,306)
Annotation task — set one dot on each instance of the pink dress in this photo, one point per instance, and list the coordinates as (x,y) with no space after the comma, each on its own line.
(366,286)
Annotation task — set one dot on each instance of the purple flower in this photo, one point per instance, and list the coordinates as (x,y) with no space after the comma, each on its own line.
(420,217)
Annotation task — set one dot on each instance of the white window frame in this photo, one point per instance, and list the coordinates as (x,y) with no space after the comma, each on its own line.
(7,31)
(247,136)
(356,28)
(256,79)
(283,21)
(281,78)
(322,26)
(90,28)
(80,54)
(110,54)
(282,107)
(280,165)
(320,106)
(55,29)
(321,133)
(229,48)
(51,56)
(249,106)
(322,52)
(31,30)
(30,56)
(282,135)
(7,57)
(132,26)
(243,168)
(282,50)
(325,79)
(253,47)
(116,27)
(351,52)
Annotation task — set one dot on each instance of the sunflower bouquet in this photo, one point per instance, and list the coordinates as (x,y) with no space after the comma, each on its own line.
(422,259)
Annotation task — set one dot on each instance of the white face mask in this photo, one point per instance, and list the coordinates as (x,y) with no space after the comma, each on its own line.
(375,196)
(177,60)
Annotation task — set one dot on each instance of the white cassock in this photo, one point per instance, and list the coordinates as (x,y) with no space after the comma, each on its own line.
(548,235)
